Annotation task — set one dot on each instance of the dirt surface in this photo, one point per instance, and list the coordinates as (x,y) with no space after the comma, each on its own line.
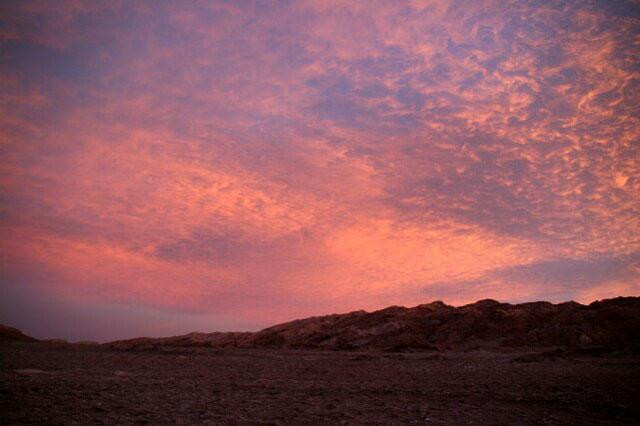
(68,384)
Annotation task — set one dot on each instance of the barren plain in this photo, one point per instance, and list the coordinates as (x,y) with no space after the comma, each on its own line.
(57,383)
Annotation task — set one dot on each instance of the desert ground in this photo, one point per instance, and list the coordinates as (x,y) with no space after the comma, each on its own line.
(91,384)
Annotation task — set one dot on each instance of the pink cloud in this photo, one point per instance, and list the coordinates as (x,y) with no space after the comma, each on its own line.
(247,164)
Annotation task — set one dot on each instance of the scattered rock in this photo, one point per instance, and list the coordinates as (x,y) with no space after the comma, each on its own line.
(249,386)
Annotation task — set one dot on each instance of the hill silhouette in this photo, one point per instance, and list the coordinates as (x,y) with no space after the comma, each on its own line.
(611,324)
(13,334)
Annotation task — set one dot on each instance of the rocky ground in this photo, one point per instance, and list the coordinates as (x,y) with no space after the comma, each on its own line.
(85,384)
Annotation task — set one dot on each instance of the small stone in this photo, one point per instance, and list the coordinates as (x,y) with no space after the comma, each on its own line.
(29,371)
(585,340)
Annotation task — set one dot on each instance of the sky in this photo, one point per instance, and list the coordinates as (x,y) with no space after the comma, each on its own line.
(170,167)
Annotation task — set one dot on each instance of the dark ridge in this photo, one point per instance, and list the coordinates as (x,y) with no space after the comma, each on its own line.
(13,334)
(606,325)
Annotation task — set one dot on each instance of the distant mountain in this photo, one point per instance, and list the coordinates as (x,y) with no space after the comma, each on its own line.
(13,334)
(610,324)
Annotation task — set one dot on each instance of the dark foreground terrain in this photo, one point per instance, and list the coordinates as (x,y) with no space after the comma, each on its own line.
(83,384)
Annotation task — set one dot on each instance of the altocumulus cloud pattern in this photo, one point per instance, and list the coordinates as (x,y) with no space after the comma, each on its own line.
(173,166)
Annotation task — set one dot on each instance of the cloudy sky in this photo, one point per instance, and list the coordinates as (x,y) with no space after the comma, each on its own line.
(226,165)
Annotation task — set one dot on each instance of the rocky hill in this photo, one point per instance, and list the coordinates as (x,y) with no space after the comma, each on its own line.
(608,324)
(13,334)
